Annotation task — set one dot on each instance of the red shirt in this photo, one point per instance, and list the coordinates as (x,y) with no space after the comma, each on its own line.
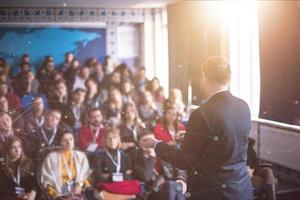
(86,137)
(163,134)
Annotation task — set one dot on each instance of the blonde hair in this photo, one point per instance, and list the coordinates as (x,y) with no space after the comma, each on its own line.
(216,69)
(111,131)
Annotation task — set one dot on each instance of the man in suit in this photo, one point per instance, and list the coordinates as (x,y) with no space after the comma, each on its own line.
(214,150)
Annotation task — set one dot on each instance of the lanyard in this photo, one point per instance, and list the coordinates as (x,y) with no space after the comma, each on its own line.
(135,137)
(69,172)
(76,112)
(17,178)
(118,163)
(95,133)
(41,122)
(50,141)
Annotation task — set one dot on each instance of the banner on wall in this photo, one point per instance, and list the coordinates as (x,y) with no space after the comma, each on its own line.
(38,42)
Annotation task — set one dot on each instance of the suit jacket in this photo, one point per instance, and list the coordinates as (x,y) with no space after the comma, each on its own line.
(214,150)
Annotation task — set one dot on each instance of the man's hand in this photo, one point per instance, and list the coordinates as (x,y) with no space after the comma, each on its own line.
(148,141)
(183,185)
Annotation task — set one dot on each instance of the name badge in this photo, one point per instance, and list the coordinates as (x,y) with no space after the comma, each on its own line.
(92,147)
(117,177)
(19,190)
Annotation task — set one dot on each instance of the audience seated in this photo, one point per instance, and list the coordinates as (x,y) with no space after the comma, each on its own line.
(113,106)
(148,110)
(90,138)
(17,172)
(36,118)
(47,135)
(65,172)
(169,125)
(75,110)
(101,110)
(79,81)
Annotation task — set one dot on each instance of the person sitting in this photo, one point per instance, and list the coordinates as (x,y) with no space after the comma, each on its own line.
(94,97)
(148,110)
(170,124)
(47,135)
(17,173)
(176,98)
(131,127)
(6,130)
(14,103)
(15,114)
(46,74)
(58,98)
(79,81)
(113,168)
(113,106)
(65,172)
(90,136)
(261,173)
(71,73)
(75,111)
(67,62)
(112,164)
(36,118)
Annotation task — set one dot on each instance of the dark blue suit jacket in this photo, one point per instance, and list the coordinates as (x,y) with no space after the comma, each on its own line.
(214,150)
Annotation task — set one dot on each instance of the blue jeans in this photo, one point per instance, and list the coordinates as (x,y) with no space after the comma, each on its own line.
(171,190)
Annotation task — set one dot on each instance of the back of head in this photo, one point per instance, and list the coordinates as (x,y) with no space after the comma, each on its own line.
(216,69)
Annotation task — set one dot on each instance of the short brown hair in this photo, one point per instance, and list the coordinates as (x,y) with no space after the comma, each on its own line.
(217,69)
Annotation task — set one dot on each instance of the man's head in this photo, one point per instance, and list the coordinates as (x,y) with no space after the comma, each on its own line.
(25,67)
(78,96)
(85,72)
(25,58)
(95,117)
(69,57)
(53,118)
(38,104)
(215,73)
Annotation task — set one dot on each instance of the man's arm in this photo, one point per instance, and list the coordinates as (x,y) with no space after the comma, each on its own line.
(195,144)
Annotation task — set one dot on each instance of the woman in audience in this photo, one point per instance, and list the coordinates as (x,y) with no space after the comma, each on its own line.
(17,177)
(93,98)
(153,85)
(65,172)
(141,80)
(167,128)
(113,106)
(109,65)
(112,164)
(127,91)
(71,72)
(176,98)
(131,126)
(148,110)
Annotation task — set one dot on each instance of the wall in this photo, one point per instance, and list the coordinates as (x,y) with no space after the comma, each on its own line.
(279,33)
(112,18)
(193,35)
